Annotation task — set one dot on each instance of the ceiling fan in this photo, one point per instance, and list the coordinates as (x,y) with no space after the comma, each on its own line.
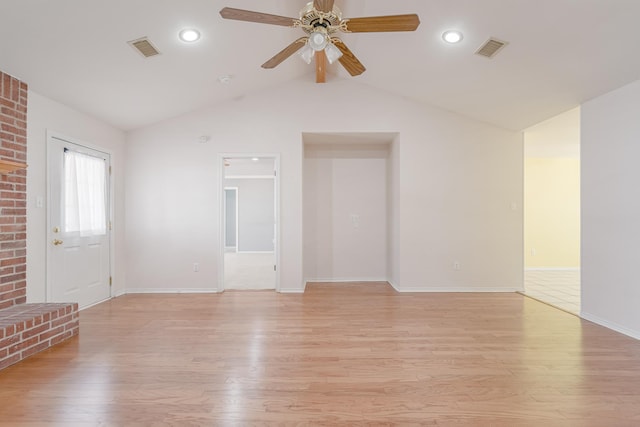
(321,20)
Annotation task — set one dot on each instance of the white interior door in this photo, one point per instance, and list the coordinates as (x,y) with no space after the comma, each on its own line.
(78,261)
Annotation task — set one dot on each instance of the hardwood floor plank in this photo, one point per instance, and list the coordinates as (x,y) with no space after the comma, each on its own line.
(350,354)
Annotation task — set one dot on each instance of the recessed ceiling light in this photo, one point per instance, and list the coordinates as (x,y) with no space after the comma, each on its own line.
(189,35)
(255,159)
(452,36)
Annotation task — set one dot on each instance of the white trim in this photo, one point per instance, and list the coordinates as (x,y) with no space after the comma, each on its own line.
(170,291)
(349,280)
(552,269)
(255,252)
(416,289)
(65,138)
(94,304)
(249,177)
(291,291)
(276,225)
(444,289)
(610,325)
(52,134)
(220,190)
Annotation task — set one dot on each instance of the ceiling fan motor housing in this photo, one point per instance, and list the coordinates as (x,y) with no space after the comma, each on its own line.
(314,20)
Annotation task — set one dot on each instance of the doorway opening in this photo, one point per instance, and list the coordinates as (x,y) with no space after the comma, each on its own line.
(249,223)
(349,207)
(552,211)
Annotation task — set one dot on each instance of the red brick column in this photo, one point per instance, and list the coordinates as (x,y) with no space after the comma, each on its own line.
(13,192)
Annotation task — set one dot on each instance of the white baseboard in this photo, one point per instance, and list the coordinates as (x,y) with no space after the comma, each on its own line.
(424,289)
(254,252)
(420,289)
(552,269)
(349,280)
(610,325)
(458,289)
(189,291)
(291,291)
(93,304)
(170,291)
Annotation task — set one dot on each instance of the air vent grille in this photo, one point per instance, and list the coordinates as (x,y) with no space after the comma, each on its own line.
(491,48)
(144,47)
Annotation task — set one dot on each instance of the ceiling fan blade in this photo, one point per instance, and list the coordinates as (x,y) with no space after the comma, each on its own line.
(348,59)
(261,18)
(325,6)
(374,24)
(285,53)
(321,66)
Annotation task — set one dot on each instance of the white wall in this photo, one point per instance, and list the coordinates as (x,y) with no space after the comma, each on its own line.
(461,197)
(457,180)
(345,212)
(45,114)
(611,209)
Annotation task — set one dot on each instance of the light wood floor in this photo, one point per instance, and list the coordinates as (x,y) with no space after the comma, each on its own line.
(341,354)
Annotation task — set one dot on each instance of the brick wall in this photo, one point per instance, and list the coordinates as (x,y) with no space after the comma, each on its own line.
(13,192)
(27,329)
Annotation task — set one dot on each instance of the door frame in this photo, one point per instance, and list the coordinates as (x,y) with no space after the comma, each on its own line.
(49,235)
(221,223)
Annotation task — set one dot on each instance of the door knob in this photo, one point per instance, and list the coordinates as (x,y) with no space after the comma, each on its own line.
(57,242)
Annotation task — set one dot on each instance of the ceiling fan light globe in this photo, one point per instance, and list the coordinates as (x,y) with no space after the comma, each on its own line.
(307,53)
(333,53)
(318,41)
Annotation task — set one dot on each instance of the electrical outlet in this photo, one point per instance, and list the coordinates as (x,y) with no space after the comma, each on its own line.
(355,221)
(196,267)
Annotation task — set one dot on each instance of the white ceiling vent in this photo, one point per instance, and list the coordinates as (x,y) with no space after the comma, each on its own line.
(491,48)
(144,47)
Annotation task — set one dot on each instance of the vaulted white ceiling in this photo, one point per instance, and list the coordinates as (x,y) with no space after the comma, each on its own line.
(560,53)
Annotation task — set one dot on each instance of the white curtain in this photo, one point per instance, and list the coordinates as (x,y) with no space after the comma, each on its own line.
(85,182)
